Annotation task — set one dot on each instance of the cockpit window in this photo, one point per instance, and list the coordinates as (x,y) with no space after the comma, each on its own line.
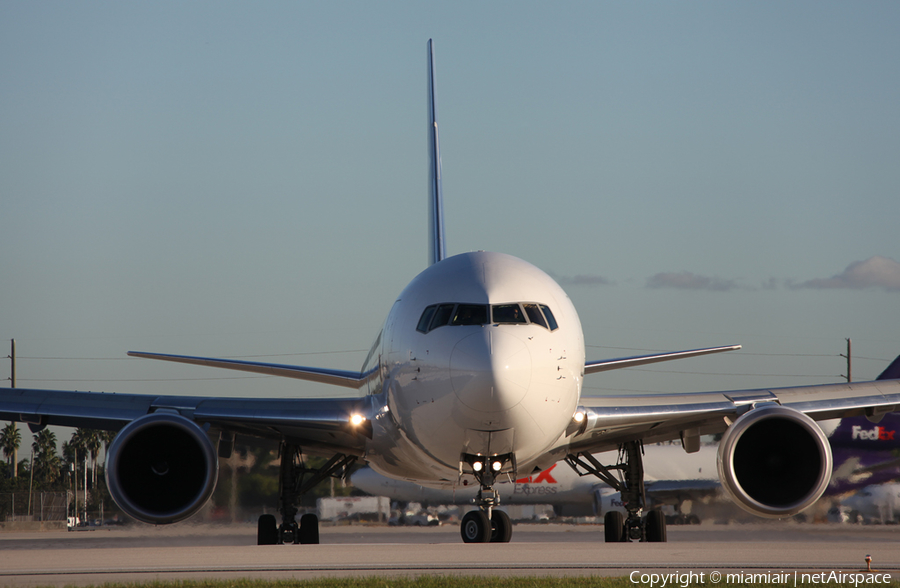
(425,319)
(508,314)
(534,314)
(442,315)
(470,314)
(551,322)
(513,313)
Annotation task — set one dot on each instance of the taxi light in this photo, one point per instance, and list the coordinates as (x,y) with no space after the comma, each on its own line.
(477,466)
(496,466)
(579,422)
(357,419)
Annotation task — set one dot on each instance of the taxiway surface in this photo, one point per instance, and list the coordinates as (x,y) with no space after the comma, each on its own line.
(146,553)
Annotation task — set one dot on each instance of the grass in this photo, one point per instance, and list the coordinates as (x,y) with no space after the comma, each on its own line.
(464,582)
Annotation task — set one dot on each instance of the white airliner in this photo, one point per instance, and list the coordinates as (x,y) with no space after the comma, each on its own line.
(478,370)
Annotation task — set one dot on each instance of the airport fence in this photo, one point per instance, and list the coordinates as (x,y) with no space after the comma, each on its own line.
(34,506)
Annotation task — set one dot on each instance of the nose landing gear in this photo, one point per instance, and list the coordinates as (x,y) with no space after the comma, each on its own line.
(487,524)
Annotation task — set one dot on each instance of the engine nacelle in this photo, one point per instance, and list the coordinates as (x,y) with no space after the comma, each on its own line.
(161,468)
(606,500)
(774,461)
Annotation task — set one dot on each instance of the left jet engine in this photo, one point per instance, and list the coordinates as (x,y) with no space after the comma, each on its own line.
(161,468)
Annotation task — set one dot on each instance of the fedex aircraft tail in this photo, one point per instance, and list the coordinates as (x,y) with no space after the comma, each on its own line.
(861,433)
(892,372)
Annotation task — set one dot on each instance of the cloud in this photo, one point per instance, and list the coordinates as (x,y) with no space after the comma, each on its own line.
(690,281)
(776,283)
(582,280)
(875,272)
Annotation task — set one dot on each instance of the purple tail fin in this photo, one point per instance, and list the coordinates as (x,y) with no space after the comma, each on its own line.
(892,372)
(861,433)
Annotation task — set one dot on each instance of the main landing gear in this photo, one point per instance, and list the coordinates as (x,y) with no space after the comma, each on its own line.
(487,524)
(294,480)
(630,483)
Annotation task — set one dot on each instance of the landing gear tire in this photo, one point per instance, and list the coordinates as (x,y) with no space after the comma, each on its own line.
(309,529)
(501,527)
(266,530)
(476,527)
(614,527)
(655,526)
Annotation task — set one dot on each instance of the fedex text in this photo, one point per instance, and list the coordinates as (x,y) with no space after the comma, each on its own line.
(873,434)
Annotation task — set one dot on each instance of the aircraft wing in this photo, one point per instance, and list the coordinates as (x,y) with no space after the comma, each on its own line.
(322,425)
(591,367)
(613,420)
(343,378)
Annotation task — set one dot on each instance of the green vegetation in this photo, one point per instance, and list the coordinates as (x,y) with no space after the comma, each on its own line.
(447,582)
(75,470)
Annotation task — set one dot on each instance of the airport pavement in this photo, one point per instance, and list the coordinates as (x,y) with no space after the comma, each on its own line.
(144,553)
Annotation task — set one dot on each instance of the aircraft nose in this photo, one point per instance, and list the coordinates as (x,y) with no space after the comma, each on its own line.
(490,370)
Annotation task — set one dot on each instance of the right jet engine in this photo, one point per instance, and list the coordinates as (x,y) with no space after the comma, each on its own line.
(774,461)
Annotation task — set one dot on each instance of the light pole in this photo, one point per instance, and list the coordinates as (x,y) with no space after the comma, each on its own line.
(85,488)
(74,491)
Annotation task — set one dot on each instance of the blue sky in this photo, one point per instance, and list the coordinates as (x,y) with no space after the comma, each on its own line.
(243,180)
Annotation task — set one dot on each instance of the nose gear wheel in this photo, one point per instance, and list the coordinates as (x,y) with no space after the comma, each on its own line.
(486,524)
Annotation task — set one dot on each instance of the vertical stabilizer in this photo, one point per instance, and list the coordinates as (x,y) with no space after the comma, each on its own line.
(435,197)
(892,372)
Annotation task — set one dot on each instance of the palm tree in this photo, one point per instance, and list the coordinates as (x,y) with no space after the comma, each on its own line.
(92,443)
(107,437)
(88,442)
(46,460)
(10,440)
(77,446)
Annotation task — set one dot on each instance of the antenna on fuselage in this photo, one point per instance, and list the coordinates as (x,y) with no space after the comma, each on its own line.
(435,198)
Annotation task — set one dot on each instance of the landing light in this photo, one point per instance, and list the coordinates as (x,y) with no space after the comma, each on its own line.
(579,422)
(357,419)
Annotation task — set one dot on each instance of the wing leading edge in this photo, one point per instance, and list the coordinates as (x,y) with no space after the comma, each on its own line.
(603,365)
(347,379)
